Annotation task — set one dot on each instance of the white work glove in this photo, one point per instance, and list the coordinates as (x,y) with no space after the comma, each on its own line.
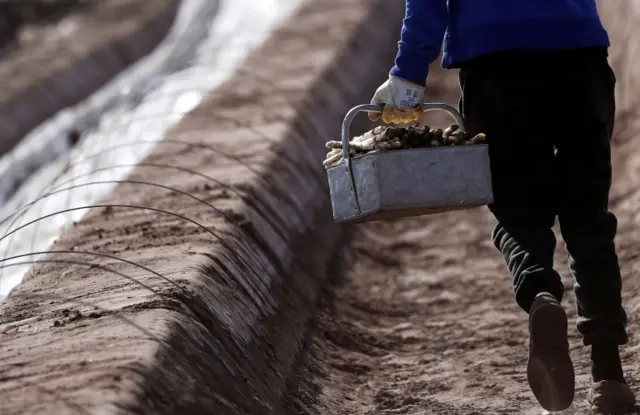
(402,101)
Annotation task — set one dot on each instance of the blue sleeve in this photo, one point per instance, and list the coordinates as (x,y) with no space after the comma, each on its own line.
(423,30)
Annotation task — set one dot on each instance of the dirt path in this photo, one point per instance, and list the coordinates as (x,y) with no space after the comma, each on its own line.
(423,321)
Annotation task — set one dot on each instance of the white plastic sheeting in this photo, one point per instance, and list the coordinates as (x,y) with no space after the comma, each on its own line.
(120,123)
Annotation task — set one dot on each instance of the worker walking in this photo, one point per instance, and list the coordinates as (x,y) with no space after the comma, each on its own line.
(535,79)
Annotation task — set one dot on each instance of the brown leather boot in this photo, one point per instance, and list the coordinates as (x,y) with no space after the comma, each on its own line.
(550,371)
(611,397)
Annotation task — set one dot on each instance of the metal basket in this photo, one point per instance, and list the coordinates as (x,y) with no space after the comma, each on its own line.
(408,182)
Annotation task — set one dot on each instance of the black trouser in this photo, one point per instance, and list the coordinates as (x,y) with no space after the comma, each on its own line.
(548,116)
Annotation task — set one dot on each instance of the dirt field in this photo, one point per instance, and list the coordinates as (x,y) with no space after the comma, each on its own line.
(56,64)
(76,35)
(190,292)
(199,305)
(421,318)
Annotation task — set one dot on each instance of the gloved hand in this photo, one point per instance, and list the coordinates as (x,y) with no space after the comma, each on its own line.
(402,101)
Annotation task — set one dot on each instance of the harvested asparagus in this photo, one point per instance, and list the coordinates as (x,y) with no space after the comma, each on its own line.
(390,138)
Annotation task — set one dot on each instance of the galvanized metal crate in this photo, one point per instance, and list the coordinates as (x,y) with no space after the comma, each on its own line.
(408,182)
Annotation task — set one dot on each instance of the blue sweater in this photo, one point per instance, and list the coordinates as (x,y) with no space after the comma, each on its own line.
(470,28)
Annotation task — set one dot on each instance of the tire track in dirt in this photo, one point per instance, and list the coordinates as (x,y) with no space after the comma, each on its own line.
(424,321)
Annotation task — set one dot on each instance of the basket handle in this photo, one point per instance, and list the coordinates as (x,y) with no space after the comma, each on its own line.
(426,107)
